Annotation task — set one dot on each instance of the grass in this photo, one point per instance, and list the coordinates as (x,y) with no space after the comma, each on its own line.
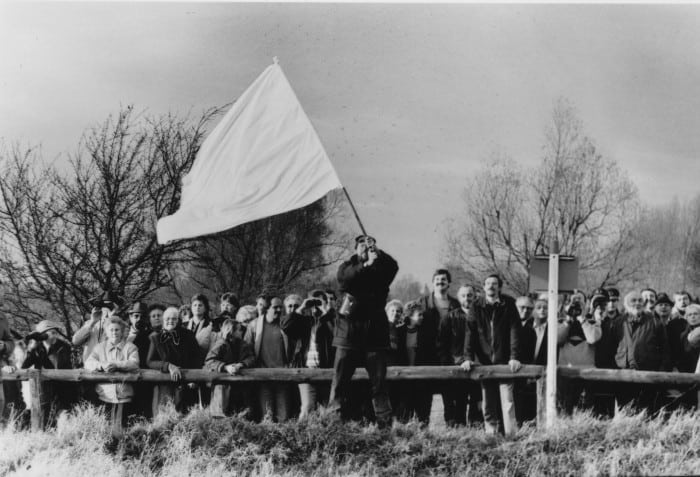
(199,445)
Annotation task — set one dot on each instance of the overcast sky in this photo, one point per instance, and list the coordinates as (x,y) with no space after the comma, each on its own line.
(407,99)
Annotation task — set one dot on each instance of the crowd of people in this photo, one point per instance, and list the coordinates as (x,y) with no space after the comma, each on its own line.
(479,326)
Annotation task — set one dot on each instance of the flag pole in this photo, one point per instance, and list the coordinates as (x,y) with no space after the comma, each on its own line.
(362,227)
(313,126)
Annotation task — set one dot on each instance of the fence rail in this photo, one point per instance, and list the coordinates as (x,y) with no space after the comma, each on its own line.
(308,375)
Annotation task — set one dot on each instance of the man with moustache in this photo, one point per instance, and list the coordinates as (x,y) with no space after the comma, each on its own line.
(436,307)
(492,337)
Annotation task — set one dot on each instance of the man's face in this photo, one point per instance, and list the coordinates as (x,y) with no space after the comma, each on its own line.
(491,288)
(156,318)
(291,305)
(51,337)
(393,313)
(362,248)
(261,305)
(466,296)
(275,311)
(611,307)
(693,316)
(115,333)
(440,283)
(135,319)
(663,309)
(541,311)
(331,301)
(635,304)
(649,298)
(525,310)
(682,301)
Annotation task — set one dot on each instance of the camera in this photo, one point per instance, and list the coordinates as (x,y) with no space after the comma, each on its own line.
(36,336)
(314,302)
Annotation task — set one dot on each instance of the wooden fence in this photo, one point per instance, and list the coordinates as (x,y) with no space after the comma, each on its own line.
(307,375)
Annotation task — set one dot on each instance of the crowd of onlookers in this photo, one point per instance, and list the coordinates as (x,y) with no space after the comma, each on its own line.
(480,325)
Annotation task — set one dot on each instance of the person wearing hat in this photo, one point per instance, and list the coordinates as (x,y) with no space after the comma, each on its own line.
(577,338)
(361,334)
(47,349)
(606,346)
(93,331)
(139,332)
(600,311)
(663,307)
(649,296)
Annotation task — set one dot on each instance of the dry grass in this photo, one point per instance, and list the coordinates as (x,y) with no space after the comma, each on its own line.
(322,446)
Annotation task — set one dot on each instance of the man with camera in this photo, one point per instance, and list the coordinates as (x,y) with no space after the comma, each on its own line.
(362,331)
(309,328)
(94,329)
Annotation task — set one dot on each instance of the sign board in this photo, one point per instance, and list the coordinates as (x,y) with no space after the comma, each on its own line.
(539,273)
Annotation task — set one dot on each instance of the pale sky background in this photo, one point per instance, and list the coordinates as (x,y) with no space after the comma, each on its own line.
(407,99)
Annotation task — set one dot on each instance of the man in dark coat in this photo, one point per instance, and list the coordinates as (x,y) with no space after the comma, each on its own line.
(641,345)
(492,337)
(436,306)
(362,330)
(450,349)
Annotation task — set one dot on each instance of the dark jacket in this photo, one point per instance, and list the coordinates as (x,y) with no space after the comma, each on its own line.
(229,351)
(396,354)
(299,329)
(141,338)
(366,326)
(606,347)
(641,346)
(430,327)
(687,358)
(528,344)
(480,344)
(178,347)
(56,357)
(451,337)
(675,328)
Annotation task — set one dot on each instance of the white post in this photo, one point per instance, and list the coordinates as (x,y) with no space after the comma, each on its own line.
(552,325)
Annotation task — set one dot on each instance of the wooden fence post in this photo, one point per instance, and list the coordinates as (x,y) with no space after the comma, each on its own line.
(37,412)
(541,395)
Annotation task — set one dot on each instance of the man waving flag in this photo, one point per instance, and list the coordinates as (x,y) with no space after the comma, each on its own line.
(264,158)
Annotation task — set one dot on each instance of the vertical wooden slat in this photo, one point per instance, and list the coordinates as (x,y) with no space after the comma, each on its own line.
(541,392)
(37,412)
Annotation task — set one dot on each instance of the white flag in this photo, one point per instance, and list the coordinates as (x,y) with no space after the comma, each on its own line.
(262,159)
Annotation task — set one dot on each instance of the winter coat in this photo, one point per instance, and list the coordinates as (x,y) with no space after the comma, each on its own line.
(178,347)
(493,332)
(299,330)
(451,334)
(641,346)
(366,326)
(229,351)
(429,333)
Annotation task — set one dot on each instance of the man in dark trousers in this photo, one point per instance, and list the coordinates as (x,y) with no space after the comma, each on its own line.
(362,330)
(492,337)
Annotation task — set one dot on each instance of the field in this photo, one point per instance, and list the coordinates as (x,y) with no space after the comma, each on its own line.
(322,446)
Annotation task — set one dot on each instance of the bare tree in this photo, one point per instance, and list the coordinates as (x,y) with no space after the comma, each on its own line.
(575,195)
(70,232)
(271,255)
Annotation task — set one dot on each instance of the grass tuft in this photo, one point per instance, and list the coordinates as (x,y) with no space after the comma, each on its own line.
(320,446)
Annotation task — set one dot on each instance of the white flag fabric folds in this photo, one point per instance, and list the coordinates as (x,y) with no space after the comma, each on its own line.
(262,159)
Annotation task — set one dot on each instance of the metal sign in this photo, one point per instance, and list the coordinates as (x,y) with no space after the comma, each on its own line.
(539,274)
